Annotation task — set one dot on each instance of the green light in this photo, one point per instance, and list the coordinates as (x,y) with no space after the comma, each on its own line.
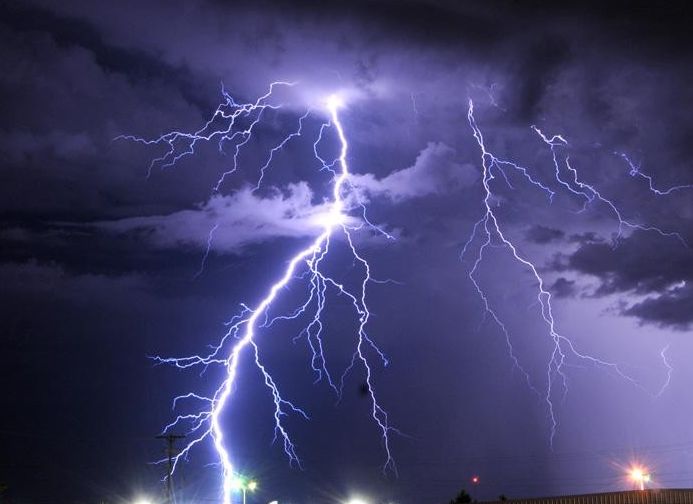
(242,483)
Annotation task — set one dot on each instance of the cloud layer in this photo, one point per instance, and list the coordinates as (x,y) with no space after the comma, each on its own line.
(235,221)
(642,266)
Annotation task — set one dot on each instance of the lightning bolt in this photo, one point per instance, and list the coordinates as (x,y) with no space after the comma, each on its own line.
(488,232)
(306,266)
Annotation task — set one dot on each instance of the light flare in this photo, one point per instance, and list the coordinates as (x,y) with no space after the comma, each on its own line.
(640,476)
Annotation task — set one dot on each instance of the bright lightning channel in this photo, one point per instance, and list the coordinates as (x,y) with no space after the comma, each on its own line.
(224,128)
(488,232)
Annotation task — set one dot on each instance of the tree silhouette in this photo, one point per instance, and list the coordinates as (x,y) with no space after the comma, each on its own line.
(462,498)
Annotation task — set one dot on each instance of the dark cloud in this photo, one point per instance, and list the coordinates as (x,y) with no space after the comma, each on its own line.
(541,65)
(542,234)
(639,264)
(563,288)
(672,308)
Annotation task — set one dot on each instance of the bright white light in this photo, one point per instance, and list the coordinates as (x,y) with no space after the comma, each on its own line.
(334,102)
(357,501)
(330,219)
(640,476)
(143,500)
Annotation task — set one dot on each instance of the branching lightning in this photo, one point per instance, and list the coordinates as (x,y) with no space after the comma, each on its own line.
(488,231)
(589,193)
(307,266)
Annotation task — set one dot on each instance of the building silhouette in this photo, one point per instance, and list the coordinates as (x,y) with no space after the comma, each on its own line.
(648,496)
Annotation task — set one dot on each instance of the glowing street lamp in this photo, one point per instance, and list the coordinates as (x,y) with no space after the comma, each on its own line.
(640,476)
(244,485)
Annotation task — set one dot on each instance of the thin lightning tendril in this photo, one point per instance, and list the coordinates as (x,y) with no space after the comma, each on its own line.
(670,369)
(635,171)
(241,335)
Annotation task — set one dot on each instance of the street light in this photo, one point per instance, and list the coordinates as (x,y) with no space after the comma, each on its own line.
(640,476)
(244,485)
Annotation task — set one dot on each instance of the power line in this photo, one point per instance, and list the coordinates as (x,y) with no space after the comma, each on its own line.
(170,452)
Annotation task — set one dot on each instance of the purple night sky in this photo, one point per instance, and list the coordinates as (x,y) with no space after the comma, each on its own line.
(100,263)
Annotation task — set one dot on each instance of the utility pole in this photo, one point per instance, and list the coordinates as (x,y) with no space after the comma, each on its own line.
(170,452)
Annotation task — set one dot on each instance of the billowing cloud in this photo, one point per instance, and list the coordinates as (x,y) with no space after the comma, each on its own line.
(240,219)
(436,170)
